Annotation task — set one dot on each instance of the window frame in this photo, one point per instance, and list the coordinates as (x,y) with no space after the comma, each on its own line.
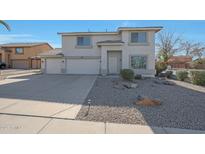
(139,56)
(146,39)
(83,46)
(19,53)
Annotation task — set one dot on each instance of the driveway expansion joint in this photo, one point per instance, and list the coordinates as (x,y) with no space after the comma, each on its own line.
(105,127)
(44,126)
(36,116)
(62,110)
(166,132)
(8,106)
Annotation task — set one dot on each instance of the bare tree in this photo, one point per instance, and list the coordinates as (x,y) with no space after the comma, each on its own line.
(168,44)
(198,50)
(5,25)
(187,47)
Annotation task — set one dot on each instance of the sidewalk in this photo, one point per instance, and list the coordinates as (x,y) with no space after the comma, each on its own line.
(11,73)
(27,124)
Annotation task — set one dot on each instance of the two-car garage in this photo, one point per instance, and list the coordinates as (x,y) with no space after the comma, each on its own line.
(72,65)
(83,66)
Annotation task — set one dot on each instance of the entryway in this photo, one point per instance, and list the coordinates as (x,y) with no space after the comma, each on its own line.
(114,62)
(35,63)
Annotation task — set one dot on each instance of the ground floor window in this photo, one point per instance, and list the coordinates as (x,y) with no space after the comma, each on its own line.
(139,62)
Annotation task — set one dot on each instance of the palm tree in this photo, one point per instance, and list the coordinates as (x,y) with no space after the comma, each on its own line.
(5,25)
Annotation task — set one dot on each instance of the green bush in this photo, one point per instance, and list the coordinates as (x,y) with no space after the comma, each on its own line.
(138,76)
(182,75)
(160,66)
(127,74)
(198,77)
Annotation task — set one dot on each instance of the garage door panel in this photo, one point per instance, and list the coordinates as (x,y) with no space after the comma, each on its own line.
(83,66)
(20,64)
(53,66)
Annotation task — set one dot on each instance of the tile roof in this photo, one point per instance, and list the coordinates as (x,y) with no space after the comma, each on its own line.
(29,44)
(180,59)
(54,52)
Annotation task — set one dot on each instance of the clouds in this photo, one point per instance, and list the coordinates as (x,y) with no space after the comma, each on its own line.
(14,38)
(9,38)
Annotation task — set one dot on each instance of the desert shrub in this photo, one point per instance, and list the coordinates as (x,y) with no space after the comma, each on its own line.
(138,76)
(182,75)
(127,74)
(160,66)
(198,77)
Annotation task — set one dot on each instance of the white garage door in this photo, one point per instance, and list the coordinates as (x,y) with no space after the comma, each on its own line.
(83,66)
(53,66)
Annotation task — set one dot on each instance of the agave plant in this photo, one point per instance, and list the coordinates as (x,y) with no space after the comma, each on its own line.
(5,25)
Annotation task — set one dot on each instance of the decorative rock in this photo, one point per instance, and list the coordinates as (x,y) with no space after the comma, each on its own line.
(168,83)
(117,86)
(126,85)
(139,97)
(134,85)
(129,85)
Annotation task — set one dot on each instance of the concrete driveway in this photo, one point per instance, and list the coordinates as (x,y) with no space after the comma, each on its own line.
(58,96)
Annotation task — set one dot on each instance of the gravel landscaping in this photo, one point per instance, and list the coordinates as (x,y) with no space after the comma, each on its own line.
(112,102)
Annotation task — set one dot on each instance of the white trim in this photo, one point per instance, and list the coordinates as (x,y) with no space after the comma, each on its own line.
(156,29)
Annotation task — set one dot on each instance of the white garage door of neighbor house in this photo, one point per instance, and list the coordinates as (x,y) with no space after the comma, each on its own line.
(83,66)
(53,66)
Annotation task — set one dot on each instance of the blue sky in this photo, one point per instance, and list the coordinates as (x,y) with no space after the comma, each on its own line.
(46,30)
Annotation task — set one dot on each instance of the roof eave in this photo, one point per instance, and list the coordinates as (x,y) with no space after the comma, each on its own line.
(23,46)
(86,33)
(156,29)
(51,56)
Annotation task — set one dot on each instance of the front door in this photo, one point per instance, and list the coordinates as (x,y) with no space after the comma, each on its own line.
(114,62)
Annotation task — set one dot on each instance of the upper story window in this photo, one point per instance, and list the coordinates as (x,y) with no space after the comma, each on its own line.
(138,37)
(19,50)
(83,41)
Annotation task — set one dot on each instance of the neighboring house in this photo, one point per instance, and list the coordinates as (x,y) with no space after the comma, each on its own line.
(198,63)
(180,61)
(23,55)
(104,52)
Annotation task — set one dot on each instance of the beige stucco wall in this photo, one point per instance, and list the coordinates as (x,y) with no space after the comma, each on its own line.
(128,49)
(29,52)
(2,55)
(69,45)
(139,49)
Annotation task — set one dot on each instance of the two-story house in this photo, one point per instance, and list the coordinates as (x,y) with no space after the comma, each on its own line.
(104,52)
(23,55)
